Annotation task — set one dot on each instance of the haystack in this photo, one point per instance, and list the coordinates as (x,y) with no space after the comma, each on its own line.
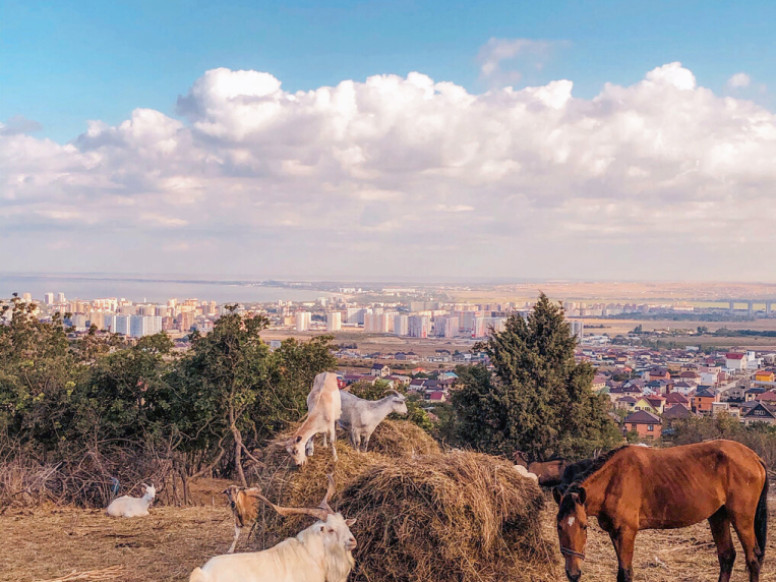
(432,517)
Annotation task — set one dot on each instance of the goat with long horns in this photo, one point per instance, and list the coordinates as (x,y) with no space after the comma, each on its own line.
(319,553)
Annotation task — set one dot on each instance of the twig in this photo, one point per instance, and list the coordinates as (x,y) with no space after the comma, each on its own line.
(111,573)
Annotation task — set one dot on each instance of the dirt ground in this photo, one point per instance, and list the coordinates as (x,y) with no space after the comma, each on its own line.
(47,543)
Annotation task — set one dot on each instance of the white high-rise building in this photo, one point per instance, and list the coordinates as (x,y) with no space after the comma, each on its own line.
(418,326)
(303,319)
(446,326)
(119,324)
(60,297)
(577,328)
(334,321)
(48,298)
(140,325)
(401,325)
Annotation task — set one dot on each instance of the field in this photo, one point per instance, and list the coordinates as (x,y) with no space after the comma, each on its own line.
(47,543)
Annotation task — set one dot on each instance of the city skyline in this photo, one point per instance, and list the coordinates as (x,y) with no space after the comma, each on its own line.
(552,142)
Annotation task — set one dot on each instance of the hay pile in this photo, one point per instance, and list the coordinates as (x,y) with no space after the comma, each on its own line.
(422,518)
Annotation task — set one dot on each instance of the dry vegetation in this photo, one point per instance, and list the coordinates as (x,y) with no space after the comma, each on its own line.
(48,543)
(423,516)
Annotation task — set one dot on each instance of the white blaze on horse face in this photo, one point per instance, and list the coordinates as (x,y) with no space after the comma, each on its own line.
(570,522)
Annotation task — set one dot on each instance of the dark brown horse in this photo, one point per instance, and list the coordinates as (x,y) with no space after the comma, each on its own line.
(634,488)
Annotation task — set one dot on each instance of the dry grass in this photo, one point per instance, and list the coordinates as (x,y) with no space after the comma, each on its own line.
(47,543)
(422,515)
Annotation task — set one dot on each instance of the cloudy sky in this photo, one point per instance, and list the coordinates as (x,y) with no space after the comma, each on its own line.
(389,140)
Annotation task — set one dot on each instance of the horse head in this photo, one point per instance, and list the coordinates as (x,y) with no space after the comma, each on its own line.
(572,527)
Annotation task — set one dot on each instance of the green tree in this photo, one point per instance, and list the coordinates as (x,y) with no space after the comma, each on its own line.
(536,398)
(220,380)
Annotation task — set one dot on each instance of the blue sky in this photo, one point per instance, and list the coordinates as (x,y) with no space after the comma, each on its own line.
(63,63)
(596,140)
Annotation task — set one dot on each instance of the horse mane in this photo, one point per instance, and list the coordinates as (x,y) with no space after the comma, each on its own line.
(577,472)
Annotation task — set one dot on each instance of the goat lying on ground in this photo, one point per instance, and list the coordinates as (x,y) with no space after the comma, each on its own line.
(324,408)
(526,473)
(360,417)
(244,502)
(320,553)
(126,506)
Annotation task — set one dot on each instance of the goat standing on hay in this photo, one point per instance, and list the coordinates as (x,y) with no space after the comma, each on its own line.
(126,506)
(360,417)
(324,408)
(320,553)
(244,502)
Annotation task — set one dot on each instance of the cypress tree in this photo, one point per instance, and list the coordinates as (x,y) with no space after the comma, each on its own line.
(537,398)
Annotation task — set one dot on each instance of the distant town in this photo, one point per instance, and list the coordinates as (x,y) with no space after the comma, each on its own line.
(650,385)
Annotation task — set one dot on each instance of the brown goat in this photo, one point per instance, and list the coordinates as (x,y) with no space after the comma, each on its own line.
(244,502)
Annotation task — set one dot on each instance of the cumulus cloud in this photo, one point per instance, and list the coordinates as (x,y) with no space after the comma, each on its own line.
(739,81)
(354,179)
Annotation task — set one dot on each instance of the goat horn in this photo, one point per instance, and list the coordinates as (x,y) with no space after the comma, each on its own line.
(324,504)
(316,512)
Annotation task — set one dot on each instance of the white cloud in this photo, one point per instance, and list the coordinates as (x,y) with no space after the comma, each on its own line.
(739,81)
(321,183)
(505,61)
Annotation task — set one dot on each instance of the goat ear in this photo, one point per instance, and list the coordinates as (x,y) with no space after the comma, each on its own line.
(350,522)
(557,494)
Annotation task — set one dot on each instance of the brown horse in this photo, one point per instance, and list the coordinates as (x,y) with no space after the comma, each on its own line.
(634,488)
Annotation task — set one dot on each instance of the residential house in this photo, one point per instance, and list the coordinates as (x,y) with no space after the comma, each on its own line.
(703,398)
(647,425)
(380,370)
(417,385)
(676,398)
(657,402)
(644,404)
(768,397)
(759,413)
(735,361)
(764,377)
(625,403)
(677,412)
(753,394)
(599,383)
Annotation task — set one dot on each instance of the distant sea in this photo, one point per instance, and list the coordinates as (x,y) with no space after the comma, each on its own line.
(148,289)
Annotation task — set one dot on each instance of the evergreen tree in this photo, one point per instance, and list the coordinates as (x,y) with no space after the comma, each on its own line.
(537,398)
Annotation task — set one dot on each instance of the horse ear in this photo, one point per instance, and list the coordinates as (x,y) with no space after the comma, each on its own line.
(582,495)
(556,494)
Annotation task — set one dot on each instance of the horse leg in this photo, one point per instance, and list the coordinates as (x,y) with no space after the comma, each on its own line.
(744,526)
(720,531)
(624,539)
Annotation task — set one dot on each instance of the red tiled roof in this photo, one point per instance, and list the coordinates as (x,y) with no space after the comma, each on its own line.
(677,398)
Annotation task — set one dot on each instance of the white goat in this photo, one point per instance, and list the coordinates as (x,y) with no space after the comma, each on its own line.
(320,553)
(324,408)
(526,473)
(126,506)
(360,417)
(244,502)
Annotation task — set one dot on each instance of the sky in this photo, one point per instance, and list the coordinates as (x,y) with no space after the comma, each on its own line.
(389,140)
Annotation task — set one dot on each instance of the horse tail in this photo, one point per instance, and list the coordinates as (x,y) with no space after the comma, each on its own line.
(761,517)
